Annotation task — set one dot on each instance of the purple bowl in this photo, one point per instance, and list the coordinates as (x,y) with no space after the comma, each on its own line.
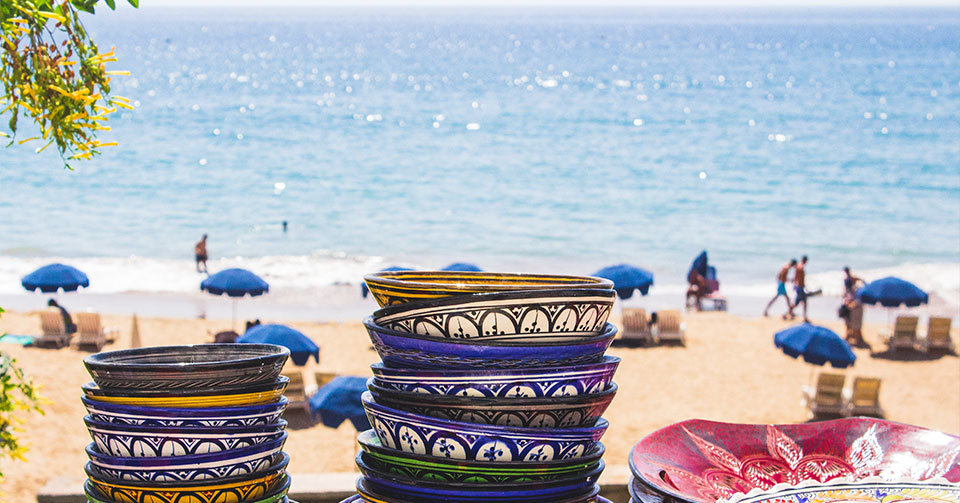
(539,382)
(162,417)
(371,493)
(549,412)
(441,438)
(407,350)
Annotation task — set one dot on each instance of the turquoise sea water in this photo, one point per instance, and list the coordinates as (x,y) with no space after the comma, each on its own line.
(516,139)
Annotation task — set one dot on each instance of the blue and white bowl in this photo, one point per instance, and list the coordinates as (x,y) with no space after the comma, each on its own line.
(538,382)
(148,441)
(248,415)
(214,466)
(441,438)
(398,349)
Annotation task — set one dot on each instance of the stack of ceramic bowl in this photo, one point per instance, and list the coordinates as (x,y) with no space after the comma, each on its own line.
(198,424)
(860,460)
(491,388)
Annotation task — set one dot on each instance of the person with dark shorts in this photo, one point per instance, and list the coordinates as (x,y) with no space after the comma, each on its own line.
(782,288)
(800,287)
(200,253)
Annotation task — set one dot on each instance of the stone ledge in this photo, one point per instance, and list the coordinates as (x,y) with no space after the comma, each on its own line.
(324,487)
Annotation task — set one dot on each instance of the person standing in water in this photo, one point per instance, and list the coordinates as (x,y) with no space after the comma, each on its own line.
(200,253)
(782,288)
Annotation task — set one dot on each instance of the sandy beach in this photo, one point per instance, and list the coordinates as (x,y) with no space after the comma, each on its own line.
(729,371)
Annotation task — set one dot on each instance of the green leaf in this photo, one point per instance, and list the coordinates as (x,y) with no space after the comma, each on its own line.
(111,4)
(135,3)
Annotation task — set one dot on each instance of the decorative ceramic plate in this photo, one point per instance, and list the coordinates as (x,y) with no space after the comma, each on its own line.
(399,349)
(565,380)
(254,490)
(398,287)
(187,367)
(279,465)
(541,315)
(151,441)
(705,461)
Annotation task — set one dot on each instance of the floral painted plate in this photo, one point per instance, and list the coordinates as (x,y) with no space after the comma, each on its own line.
(704,461)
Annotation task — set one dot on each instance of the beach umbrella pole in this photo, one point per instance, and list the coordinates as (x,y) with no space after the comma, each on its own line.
(233,323)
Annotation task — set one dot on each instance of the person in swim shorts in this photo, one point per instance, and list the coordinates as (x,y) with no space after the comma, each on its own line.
(782,288)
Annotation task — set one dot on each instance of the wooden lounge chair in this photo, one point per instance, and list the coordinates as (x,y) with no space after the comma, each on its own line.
(865,398)
(323,378)
(91,333)
(938,335)
(827,398)
(904,333)
(636,326)
(296,390)
(670,327)
(54,330)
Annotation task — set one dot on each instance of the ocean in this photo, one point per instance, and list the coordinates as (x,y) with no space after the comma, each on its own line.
(526,139)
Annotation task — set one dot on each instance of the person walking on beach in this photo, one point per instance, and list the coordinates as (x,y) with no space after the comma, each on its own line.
(851,310)
(800,287)
(200,253)
(782,288)
(67,320)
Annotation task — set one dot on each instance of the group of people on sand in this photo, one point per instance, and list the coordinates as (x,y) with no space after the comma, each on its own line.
(799,288)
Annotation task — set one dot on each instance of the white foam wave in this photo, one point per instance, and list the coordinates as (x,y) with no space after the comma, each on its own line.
(141,274)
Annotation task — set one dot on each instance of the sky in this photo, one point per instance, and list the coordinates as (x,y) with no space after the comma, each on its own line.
(535,3)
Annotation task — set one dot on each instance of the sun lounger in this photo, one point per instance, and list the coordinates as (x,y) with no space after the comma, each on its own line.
(865,398)
(827,398)
(296,390)
(636,326)
(54,331)
(938,335)
(904,333)
(670,327)
(91,333)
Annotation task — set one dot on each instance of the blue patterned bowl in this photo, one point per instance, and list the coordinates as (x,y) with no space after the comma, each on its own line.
(150,441)
(418,490)
(537,382)
(407,350)
(550,412)
(371,493)
(189,469)
(531,315)
(250,415)
(480,442)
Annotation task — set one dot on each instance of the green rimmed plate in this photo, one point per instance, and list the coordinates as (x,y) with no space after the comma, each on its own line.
(429,468)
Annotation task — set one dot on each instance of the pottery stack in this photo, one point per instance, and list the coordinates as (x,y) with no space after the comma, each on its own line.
(491,388)
(175,424)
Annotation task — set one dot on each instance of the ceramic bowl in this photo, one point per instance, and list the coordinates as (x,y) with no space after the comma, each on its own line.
(370,494)
(705,461)
(478,472)
(189,468)
(105,412)
(152,441)
(249,491)
(398,287)
(279,497)
(550,412)
(568,380)
(477,442)
(541,315)
(186,367)
(226,396)
(398,349)
(418,490)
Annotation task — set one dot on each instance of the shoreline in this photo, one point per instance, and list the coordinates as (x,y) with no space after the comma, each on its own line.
(728,371)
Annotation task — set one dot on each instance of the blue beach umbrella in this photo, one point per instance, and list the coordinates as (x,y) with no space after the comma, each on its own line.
(53,277)
(700,264)
(817,345)
(364,291)
(627,278)
(300,346)
(339,400)
(235,283)
(462,267)
(892,292)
